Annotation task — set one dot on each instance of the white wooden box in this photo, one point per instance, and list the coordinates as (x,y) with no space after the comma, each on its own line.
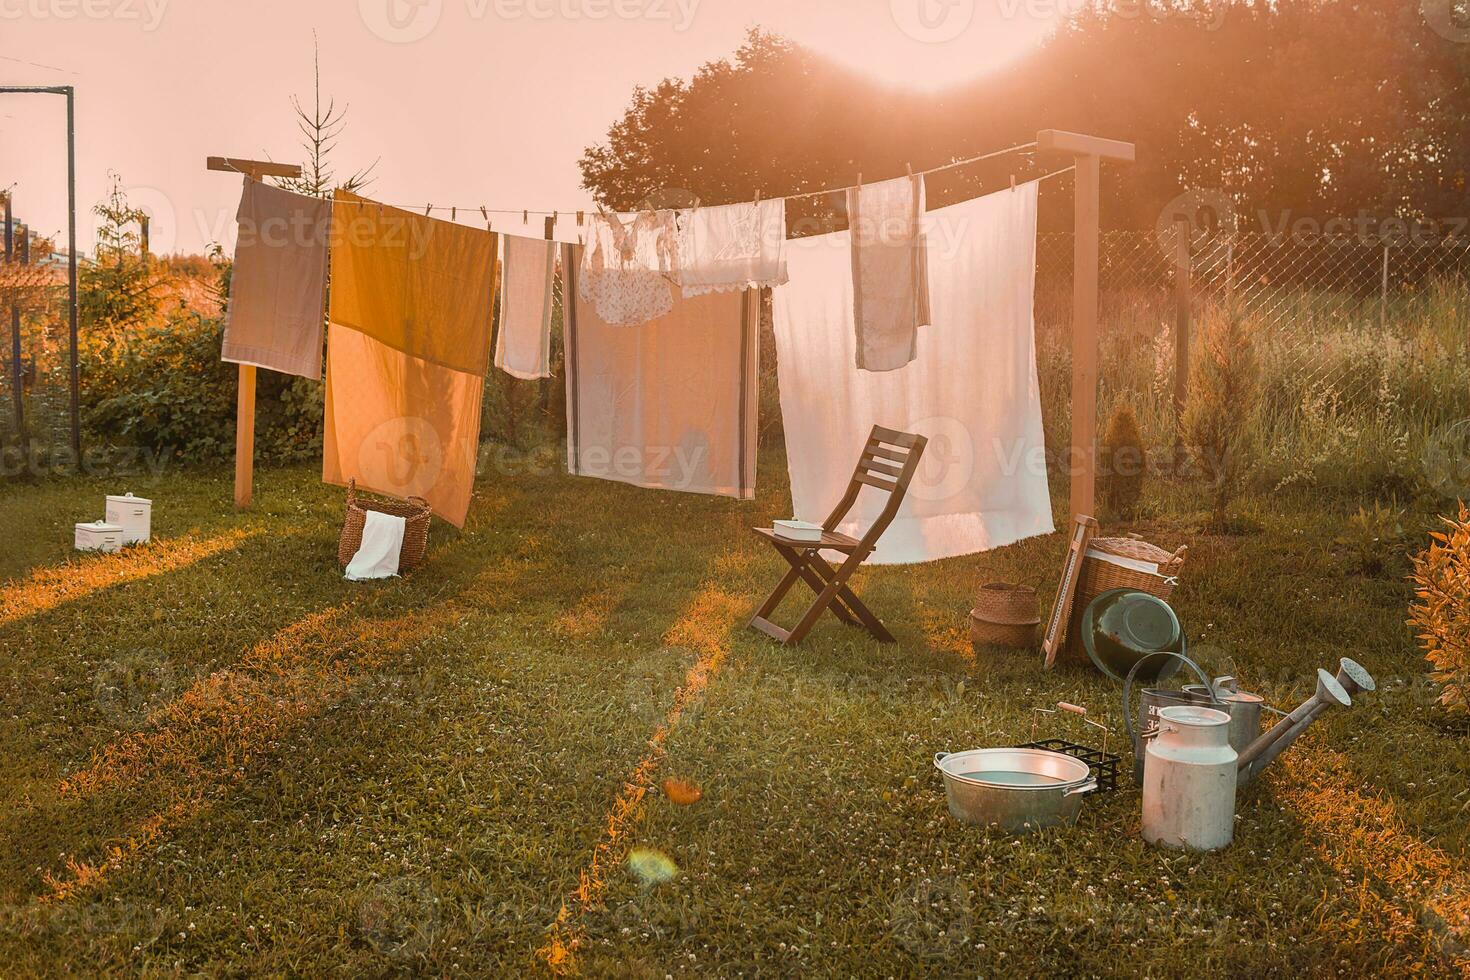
(99,536)
(799,531)
(134,515)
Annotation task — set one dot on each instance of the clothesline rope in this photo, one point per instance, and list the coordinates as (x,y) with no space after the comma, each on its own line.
(527,212)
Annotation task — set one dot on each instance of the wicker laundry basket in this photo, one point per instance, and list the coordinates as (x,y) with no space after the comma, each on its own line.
(415,512)
(1127,563)
(1005,615)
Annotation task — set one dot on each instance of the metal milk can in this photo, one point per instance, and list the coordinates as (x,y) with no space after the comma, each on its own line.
(1189,781)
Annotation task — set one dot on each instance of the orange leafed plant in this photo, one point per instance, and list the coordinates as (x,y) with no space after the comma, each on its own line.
(1441,609)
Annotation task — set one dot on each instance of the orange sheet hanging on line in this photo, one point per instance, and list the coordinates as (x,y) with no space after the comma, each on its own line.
(422,286)
(400,425)
(407,350)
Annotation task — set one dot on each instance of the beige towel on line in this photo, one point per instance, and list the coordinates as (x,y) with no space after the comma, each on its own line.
(279,283)
(523,345)
(889,271)
(670,404)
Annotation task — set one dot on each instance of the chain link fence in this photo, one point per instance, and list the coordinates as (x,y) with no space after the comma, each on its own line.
(1362,343)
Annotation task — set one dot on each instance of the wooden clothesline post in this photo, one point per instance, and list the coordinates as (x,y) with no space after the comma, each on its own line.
(245,399)
(1089,152)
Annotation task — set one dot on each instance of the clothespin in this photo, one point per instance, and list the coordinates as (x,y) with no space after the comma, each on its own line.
(581,218)
(453,213)
(1013,181)
(757,197)
(427,209)
(525,217)
(486,215)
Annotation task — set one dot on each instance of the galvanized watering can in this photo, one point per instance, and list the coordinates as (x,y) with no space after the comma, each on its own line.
(1255,751)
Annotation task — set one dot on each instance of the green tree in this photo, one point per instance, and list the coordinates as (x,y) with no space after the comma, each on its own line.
(121,288)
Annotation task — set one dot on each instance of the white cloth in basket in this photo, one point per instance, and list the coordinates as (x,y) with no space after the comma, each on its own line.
(382,543)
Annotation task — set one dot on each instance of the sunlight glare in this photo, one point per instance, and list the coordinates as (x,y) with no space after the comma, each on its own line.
(932,44)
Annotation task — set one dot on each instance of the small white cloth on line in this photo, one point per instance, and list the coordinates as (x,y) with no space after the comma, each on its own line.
(523,345)
(972,390)
(628,266)
(730,248)
(382,544)
(889,271)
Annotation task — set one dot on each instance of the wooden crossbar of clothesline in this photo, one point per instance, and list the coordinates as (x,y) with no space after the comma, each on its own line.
(1087,152)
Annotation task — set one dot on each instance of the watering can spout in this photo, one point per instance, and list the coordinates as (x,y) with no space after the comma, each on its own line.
(1331,692)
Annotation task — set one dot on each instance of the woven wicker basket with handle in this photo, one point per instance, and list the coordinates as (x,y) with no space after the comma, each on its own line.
(1100,575)
(416,514)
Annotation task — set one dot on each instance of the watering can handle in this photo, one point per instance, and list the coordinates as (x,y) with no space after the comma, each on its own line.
(1128,689)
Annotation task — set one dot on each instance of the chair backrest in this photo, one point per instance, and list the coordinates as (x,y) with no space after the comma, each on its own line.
(888,463)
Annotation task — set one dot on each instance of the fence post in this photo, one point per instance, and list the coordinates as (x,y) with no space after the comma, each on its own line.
(1383,295)
(1183,303)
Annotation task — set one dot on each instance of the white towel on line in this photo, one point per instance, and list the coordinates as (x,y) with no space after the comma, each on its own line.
(523,346)
(382,543)
(972,389)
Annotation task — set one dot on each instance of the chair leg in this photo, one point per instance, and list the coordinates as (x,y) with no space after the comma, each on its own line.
(853,603)
(810,565)
(824,599)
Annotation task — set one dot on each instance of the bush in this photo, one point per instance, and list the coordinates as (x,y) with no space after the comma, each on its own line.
(1441,612)
(1124,462)
(1224,387)
(164,388)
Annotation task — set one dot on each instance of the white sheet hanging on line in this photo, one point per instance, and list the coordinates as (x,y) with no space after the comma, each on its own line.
(523,345)
(889,271)
(972,389)
(668,405)
(725,249)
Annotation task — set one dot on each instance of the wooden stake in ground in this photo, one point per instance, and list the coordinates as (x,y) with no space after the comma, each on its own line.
(1089,152)
(245,399)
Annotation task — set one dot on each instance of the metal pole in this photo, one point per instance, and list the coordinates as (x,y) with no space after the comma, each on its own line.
(15,378)
(16,353)
(71,271)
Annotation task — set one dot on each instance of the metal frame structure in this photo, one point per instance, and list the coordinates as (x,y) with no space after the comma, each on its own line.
(69,92)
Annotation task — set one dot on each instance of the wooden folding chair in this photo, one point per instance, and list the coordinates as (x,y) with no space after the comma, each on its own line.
(888,464)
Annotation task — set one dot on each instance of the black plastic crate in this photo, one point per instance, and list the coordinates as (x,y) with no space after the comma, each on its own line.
(1104,765)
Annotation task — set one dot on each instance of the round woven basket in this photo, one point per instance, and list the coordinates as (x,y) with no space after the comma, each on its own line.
(415,512)
(1100,575)
(1006,604)
(1019,636)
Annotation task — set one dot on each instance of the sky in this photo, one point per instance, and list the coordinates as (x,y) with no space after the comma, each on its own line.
(463,102)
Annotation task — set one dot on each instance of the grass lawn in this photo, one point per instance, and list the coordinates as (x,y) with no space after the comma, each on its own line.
(220,757)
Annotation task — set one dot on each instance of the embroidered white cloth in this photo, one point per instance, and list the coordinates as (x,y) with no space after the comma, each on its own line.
(725,249)
(972,390)
(669,405)
(382,544)
(523,345)
(628,266)
(889,271)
